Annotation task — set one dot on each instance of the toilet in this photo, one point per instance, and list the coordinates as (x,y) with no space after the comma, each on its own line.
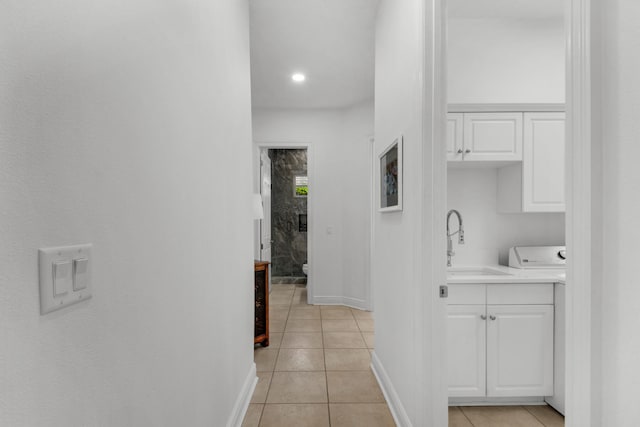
(305,269)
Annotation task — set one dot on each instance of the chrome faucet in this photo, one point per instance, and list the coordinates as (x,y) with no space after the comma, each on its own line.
(459,232)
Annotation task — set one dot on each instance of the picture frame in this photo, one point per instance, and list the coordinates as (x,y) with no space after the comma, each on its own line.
(391,177)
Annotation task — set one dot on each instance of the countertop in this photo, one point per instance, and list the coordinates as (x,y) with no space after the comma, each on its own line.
(484,274)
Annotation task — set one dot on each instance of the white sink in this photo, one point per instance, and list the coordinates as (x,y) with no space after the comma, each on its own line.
(475,271)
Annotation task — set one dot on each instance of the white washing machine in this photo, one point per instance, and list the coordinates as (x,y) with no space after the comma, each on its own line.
(552,258)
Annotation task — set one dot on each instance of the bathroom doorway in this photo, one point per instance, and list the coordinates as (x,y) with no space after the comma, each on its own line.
(288,213)
(285,237)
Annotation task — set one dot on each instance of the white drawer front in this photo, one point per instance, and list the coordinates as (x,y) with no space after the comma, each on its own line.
(467,294)
(526,293)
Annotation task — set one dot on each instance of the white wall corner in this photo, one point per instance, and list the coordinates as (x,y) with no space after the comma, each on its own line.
(398,412)
(356,303)
(243,399)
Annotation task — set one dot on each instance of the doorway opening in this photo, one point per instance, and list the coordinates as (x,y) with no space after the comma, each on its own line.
(285,190)
(505,71)
(285,235)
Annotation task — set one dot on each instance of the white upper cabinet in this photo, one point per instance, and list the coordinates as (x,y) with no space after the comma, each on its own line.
(454,136)
(536,185)
(492,136)
(527,147)
(481,138)
(543,167)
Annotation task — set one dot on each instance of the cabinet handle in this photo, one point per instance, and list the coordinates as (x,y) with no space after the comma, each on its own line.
(459,150)
(467,151)
(483,316)
(492,317)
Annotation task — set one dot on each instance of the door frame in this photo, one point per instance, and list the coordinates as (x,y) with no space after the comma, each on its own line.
(584,265)
(290,145)
(262,154)
(432,313)
(373,209)
(581,227)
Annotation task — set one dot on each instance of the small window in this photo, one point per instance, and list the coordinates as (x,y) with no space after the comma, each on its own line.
(300,186)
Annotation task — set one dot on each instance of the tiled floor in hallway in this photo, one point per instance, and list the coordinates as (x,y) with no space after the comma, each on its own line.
(316,371)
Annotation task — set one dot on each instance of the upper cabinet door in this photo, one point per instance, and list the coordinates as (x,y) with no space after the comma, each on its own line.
(543,166)
(454,136)
(492,136)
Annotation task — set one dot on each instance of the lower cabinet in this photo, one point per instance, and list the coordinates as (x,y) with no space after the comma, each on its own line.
(520,350)
(500,350)
(466,350)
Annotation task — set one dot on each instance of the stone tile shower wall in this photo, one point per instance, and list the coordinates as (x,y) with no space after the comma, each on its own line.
(289,248)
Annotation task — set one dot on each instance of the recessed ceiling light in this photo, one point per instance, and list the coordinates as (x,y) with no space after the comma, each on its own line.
(298,77)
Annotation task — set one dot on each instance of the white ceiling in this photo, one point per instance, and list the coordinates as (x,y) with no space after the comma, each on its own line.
(331,41)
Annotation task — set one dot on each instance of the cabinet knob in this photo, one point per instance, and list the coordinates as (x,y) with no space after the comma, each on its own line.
(459,150)
(467,151)
(492,317)
(483,316)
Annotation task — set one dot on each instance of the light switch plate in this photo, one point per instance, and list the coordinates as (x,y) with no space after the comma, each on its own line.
(47,258)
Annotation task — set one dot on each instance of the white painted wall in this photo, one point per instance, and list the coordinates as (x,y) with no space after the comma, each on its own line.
(126,125)
(339,189)
(488,234)
(505,61)
(617,102)
(355,156)
(409,250)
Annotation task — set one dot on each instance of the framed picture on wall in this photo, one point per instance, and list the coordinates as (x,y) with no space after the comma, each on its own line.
(391,177)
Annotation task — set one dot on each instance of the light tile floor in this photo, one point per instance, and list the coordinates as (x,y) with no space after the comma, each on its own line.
(504,416)
(316,373)
(316,370)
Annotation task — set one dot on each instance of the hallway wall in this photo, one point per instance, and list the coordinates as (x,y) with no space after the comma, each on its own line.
(409,249)
(616,131)
(339,190)
(127,125)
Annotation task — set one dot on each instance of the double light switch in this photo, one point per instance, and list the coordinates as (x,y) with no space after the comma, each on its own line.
(65,276)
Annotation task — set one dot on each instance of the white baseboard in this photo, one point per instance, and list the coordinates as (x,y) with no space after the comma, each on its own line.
(398,412)
(348,301)
(243,399)
(496,401)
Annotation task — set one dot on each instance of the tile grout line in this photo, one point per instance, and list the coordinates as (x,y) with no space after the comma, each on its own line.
(465,415)
(262,411)
(274,366)
(533,415)
(324,358)
(365,341)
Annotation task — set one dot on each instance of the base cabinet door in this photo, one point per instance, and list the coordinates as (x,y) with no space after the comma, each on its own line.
(519,350)
(466,343)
